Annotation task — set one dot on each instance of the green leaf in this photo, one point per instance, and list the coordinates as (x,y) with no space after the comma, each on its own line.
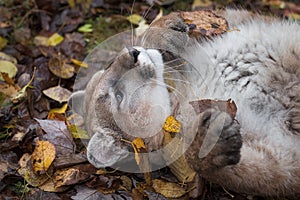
(87,28)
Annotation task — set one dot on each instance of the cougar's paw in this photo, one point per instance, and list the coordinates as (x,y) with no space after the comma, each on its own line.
(102,150)
(217,142)
(177,24)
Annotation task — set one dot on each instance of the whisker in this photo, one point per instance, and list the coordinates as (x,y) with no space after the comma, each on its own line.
(147,11)
(131,25)
(178,80)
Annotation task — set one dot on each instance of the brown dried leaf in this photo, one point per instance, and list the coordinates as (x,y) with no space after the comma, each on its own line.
(204,23)
(26,171)
(168,189)
(60,68)
(69,176)
(42,157)
(58,134)
(228,106)
(58,93)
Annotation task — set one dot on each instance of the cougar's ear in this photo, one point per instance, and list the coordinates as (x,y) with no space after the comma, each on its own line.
(76,102)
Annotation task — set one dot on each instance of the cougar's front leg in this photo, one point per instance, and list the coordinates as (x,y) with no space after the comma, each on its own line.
(217,142)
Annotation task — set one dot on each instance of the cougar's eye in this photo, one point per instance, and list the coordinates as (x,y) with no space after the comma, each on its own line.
(119,96)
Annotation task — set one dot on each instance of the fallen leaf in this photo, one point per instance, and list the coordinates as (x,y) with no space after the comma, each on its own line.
(204,23)
(60,68)
(26,171)
(58,93)
(42,156)
(55,39)
(135,19)
(142,158)
(4,56)
(172,125)
(3,42)
(53,112)
(224,106)
(8,90)
(78,133)
(69,176)
(138,147)
(168,189)
(58,134)
(86,28)
(40,41)
(9,68)
(79,63)
(49,186)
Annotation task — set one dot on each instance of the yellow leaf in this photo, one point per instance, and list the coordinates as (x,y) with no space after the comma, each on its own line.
(4,56)
(42,156)
(61,110)
(172,125)
(77,132)
(3,42)
(55,39)
(134,19)
(79,63)
(58,113)
(138,145)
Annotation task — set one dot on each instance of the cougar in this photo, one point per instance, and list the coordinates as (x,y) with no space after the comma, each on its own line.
(257,66)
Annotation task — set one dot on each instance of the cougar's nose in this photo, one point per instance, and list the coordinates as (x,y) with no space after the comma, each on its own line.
(134,53)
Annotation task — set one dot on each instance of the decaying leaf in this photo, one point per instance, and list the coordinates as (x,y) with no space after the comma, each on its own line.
(69,176)
(42,156)
(58,93)
(204,23)
(26,171)
(168,189)
(224,106)
(8,90)
(9,68)
(77,132)
(61,69)
(172,125)
(58,134)
(40,40)
(50,186)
